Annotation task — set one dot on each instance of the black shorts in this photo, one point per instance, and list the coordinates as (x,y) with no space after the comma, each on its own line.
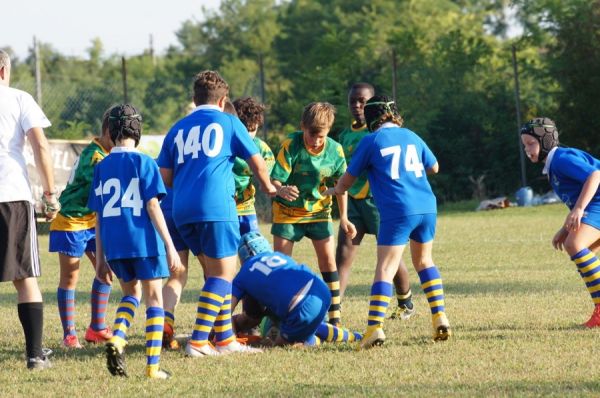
(19,256)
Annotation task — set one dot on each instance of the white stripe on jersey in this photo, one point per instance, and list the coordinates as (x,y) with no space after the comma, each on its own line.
(33,246)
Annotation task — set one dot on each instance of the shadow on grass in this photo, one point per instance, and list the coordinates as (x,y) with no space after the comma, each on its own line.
(470,288)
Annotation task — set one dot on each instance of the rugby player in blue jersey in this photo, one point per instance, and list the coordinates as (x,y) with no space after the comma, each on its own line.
(575,176)
(273,284)
(196,159)
(131,235)
(397,162)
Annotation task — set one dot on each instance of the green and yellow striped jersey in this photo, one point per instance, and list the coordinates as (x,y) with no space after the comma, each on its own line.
(244,189)
(295,165)
(349,139)
(74,214)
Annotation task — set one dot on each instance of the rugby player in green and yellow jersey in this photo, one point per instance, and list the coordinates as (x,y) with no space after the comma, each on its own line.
(72,233)
(305,161)
(361,207)
(251,113)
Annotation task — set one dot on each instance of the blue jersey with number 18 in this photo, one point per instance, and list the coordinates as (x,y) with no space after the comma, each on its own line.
(396,160)
(201,149)
(123,183)
(273,279)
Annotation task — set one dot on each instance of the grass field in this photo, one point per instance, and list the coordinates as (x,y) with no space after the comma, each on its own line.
(515,306)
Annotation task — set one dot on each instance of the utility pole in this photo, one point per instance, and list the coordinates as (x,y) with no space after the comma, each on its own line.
(262,90)
(124,74)
(38,72)
(394,76)
(518,108)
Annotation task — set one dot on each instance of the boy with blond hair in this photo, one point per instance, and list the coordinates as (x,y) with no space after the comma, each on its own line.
(306,160)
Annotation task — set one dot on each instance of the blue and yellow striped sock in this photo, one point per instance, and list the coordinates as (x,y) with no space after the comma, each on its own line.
(99,299)
(330,333)
(223,330)
(404,299)
(155,319)
(210,302)
(170,319)
(431,283)
(66,310)
(381,294)
(588,266)
(332,279)
(125,314)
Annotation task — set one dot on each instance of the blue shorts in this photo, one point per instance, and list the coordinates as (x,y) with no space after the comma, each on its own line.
(248,223)
(592,219)
(306,317)
(216,239)
(418,227)
(178,241)
(140,268)
(73,243)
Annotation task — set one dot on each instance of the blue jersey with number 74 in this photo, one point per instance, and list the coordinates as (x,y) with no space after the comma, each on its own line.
(396,160)
(123,184)
(201,149)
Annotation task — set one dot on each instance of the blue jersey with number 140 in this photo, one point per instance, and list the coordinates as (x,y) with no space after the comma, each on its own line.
(273,279)
(201,149)
(123,183)
(396,160)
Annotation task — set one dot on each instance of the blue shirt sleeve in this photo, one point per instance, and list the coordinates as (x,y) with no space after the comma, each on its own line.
(361,157)
(428,157)
(574,167)
(165,157)
(236,289)
(152,185)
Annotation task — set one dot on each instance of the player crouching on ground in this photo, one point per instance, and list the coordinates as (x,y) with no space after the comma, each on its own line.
(575,176)
(280,287)
(131,234)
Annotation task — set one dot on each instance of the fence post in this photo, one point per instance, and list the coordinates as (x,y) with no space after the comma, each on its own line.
(38,72)
(124,74)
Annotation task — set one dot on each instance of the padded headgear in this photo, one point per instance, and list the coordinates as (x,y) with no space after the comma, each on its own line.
(544,130)
(376,108)
(124,121)
(251,244)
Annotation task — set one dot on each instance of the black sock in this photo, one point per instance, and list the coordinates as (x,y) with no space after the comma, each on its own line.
(31,316)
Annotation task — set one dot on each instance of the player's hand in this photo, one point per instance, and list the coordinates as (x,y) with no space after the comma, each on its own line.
(269,190)
(103,271)
(348,228)
(175,265)
(288,192)
(573,220)
(558,241)
(328,192)
(51,205)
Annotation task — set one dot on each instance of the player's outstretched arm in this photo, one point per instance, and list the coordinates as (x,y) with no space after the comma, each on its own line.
(158,220)
(345,224)
(103,271)
(589,189)
(43,163)
(287,192)
(259,169)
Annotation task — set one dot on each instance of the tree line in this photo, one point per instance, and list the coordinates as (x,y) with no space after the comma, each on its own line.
(451,59)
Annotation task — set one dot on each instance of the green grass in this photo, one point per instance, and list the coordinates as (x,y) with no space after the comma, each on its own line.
(514,303)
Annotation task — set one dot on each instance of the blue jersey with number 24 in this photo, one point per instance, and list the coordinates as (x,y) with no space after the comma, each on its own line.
(201,149)
(396,160)
(123,183)
(273,279)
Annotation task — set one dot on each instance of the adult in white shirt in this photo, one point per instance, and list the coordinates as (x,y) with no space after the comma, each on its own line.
(21,117)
